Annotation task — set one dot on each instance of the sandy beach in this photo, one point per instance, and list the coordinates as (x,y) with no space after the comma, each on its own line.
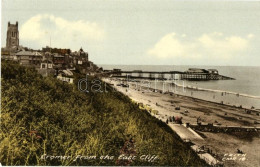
(194,110)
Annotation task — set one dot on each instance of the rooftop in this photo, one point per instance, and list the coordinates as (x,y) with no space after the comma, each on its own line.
(28,53)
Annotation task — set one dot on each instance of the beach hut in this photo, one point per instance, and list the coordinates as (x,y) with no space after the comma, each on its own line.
(155,112)
(140,104)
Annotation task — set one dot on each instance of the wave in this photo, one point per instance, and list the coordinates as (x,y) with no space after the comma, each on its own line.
(218,91)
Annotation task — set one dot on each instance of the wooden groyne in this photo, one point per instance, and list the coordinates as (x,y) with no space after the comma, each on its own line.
(223,129)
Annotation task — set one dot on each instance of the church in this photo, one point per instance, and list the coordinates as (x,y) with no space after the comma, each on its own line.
(12,39)
(12,42)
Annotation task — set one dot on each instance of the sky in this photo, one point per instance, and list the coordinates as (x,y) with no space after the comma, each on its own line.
(141,32)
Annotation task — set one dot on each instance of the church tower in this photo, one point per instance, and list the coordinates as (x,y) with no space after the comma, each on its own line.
(12,38)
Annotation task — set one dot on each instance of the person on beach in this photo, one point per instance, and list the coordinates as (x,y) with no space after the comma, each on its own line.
(173,119)
(180,121)
(198,120)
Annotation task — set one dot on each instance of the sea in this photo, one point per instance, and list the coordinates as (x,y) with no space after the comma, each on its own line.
(244,91)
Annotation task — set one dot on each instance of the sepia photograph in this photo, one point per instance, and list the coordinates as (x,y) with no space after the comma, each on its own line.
(130,83)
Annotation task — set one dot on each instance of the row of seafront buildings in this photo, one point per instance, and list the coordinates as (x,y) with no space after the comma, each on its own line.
(47,61)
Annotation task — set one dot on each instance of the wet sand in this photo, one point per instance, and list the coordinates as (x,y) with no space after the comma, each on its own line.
(209,112)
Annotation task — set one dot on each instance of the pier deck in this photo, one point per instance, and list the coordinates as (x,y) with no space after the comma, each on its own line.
(165,75)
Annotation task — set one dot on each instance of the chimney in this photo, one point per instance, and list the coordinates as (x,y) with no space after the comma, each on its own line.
(8,23)
(16,23)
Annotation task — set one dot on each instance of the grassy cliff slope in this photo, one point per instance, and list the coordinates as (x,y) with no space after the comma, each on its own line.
(44,116)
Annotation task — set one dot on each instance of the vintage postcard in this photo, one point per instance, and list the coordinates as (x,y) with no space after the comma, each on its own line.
(130,83)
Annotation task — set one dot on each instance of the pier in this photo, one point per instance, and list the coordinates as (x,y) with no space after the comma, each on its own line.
(193,74)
